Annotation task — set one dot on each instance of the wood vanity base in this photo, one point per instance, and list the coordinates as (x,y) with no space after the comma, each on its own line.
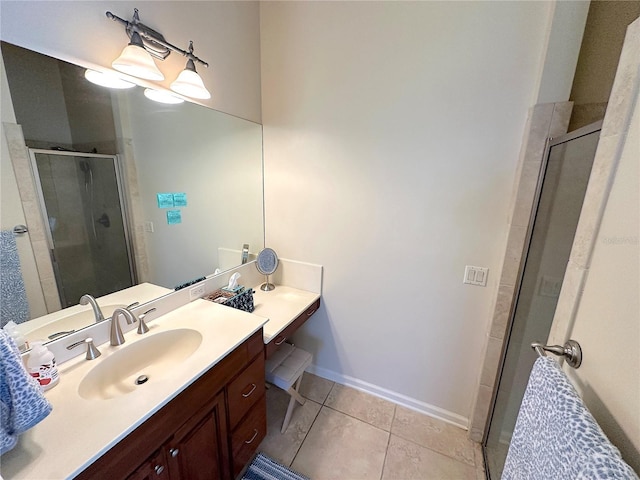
(209,431)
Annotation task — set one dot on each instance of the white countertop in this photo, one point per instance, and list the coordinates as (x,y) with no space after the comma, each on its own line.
(78,431)
(280,306)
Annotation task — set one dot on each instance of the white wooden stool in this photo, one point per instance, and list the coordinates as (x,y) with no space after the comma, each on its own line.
(284,369)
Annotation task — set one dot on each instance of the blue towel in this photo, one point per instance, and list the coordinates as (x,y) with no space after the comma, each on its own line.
(13,296)
(556,436)
(22,404)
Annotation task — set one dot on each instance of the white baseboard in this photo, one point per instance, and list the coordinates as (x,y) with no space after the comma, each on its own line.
(394,397)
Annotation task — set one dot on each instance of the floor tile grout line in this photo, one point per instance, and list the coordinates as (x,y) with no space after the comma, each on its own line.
(359,419)
(386,451)
(306,434)
(433,450)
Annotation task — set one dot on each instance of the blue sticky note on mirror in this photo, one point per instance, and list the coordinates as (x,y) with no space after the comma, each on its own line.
(179,199)
(165,200)
(174,217)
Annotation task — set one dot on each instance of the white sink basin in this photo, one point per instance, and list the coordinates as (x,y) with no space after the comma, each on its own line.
(152,357)
(69,323)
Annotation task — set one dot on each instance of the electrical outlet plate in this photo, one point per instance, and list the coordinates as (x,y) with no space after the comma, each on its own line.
(475,275)
(196,292)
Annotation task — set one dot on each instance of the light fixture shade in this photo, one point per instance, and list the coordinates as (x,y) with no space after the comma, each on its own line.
(109,80)
(161,96)
(136,61)
(190,84)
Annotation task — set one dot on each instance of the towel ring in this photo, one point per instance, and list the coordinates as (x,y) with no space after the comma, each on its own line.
(571,351)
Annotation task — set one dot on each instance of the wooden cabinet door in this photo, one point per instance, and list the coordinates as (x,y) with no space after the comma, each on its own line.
(155,468)
(199,450)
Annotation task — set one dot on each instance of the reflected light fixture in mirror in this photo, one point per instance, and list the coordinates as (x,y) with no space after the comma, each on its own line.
(105,79)
(162,97)
(145,43)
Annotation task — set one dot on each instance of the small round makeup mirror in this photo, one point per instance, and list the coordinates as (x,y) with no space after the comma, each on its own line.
(267,263)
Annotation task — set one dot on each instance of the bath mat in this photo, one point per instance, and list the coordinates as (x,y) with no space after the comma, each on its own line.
(265,468)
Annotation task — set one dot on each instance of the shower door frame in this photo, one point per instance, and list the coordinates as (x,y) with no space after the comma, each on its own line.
(549,144)
(117,164)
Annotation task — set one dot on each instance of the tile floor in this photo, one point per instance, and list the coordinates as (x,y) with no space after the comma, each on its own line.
(344,434)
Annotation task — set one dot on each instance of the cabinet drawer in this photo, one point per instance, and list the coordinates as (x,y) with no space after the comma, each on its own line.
(279,339)
(245,390)
(248,435)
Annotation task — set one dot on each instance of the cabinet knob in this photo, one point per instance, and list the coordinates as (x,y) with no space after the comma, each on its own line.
(159,469)
(174,452)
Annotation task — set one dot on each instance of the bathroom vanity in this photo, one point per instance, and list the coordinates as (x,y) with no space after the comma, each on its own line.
(210,430)
(201,414)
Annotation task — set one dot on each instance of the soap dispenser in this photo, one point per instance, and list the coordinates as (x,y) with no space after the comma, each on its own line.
(41,365)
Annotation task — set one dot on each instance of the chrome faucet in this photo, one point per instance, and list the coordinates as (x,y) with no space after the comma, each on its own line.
(89,300)
(116,337)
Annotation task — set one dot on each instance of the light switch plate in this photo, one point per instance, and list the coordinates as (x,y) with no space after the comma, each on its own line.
(475,275)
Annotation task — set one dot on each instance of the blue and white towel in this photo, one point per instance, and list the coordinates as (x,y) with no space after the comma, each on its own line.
(556,436)
(13,296)
(22,404)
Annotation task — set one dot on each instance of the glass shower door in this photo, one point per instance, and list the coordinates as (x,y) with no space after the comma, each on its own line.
(562,187)
(82,208)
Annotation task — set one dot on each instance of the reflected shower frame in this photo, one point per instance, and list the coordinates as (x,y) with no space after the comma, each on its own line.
(124,208)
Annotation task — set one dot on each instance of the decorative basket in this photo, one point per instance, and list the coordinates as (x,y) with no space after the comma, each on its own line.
(241,301)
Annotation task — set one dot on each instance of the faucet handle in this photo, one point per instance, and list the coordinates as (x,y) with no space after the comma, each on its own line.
(134,304)
(92,350)
(142,326)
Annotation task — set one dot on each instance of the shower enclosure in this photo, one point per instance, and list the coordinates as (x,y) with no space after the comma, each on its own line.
(562,184)
(83,210)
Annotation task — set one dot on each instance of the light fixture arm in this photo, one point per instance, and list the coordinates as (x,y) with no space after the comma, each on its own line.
(152,40)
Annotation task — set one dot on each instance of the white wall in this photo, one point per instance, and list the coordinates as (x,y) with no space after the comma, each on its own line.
(564,37)
(391,137)
(225,34)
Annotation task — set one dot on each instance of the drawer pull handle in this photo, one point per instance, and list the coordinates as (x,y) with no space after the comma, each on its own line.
(311,312)
(245,395)
(278,343)
(255,434)
(174,452)
(159,469)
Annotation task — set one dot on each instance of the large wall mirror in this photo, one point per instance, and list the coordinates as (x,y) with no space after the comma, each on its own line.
(128,191)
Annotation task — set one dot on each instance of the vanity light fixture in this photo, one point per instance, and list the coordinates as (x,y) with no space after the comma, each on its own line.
(137,59)
(189,82)
(162,96)
(109,80)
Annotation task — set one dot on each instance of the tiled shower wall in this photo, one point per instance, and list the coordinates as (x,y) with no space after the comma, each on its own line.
(545,120)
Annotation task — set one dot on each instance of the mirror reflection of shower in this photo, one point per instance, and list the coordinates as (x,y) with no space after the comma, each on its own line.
(81,202)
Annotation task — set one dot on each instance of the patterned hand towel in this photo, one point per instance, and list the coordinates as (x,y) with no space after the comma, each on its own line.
(22,404)
(556,436)
(13,296)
